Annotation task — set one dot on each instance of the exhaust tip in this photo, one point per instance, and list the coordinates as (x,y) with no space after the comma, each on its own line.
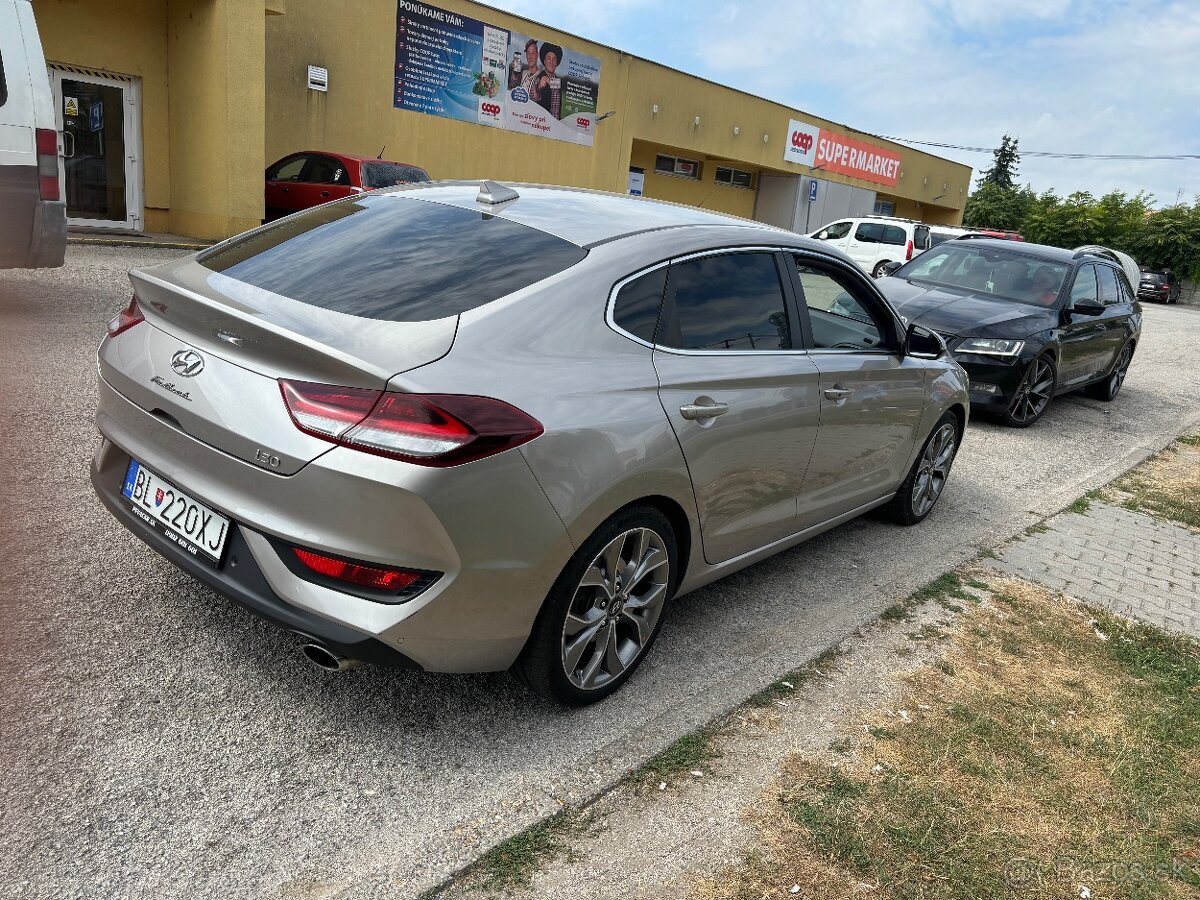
(324,658)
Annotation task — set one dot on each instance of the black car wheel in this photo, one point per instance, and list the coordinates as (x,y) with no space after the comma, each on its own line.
(1108,389)
(877,272)
(1033,394)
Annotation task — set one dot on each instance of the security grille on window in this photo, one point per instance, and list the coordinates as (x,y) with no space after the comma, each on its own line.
(674,165)
(734,177)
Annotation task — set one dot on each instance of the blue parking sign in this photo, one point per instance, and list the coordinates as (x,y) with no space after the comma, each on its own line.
(96,116)
(812,190)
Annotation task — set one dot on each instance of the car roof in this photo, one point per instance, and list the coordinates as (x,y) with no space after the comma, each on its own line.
(1041,251)
(582,217)
(348,157)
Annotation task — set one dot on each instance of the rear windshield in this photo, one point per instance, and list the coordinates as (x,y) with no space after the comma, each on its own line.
(385,174)
(400,260)
(1153,277)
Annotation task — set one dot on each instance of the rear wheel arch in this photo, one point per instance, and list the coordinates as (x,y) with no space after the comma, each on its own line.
(960,418)
(680,524)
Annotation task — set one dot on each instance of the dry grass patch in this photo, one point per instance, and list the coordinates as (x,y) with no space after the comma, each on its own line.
(1051,748)
(1167,485)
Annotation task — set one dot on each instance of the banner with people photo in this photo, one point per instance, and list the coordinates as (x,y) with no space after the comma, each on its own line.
(456,67)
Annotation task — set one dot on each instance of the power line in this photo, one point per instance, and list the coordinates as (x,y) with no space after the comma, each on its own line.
(1047,154)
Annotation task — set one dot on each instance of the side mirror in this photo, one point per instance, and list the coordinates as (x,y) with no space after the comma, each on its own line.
(1088,307)
(921,343)
(888,268)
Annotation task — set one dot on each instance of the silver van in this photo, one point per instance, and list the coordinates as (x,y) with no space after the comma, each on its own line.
(33,214)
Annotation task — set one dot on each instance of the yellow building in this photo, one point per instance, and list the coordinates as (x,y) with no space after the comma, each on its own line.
(172,109)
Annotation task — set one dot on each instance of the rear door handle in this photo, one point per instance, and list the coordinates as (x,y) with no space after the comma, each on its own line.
(324,193)
(695,411)
(836,393)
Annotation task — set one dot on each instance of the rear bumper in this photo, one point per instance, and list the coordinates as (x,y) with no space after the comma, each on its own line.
(242,580)
(486,525)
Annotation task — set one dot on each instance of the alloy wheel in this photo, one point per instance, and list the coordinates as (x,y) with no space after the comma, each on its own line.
(1033,394)
(933,469)
(1118,376)
(613,614)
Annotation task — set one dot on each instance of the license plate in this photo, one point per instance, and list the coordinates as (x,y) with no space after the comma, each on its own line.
(190,524)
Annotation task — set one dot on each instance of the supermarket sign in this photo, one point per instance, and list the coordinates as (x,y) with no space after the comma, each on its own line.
(813,146)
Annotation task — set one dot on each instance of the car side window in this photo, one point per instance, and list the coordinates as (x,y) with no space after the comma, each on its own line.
(893,234)
(921,237)
(728,301)
(326,170)
(287,169)
(842,315)
(1084,287)
(1127,293)
(869,233)
(638,302)
(834,232)
(1109,294)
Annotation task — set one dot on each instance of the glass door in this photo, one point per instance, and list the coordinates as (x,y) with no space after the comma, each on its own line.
(97,117)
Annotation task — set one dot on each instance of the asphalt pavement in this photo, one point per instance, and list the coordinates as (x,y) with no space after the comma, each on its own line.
(161,742)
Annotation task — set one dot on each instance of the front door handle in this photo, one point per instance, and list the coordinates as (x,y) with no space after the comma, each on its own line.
(836,393)
(695,411)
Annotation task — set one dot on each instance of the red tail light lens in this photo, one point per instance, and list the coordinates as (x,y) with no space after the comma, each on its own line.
(379,579)
(126,318)
(47,163)
(427,429)
(908,252)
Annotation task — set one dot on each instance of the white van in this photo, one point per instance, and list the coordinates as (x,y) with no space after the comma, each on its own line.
(33,215)
(874,241)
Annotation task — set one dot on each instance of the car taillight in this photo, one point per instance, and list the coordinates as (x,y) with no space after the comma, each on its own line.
(908,252)
(375,577)
(427,429)
(47,163)
(126,318)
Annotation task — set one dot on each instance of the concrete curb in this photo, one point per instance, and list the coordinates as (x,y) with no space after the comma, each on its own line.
(137,242)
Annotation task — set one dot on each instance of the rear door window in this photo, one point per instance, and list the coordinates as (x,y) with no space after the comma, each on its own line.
(921,237)
(638,302)
(869,233)
(393,258)
(1109,294)
(731,301)
(895,235)
(325,170)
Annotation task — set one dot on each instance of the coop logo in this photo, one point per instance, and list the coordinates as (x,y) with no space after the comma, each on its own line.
(582,122)
(520,95)
(801,143)
(491,109)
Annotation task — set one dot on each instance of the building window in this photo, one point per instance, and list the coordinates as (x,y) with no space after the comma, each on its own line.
(734,177)
(674,165)
(885,208)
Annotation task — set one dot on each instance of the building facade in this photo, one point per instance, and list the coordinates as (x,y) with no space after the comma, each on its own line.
(171,110)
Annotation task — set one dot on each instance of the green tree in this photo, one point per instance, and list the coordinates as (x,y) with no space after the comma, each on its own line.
(992,206)
(1169,239)
(1005,160)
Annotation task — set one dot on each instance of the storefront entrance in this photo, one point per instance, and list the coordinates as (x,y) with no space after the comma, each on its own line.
(98,116)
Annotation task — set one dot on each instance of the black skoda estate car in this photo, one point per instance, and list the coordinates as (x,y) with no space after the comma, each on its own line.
(1027,322)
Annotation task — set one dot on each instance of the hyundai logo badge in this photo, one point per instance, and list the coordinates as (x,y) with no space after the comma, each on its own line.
(187,363)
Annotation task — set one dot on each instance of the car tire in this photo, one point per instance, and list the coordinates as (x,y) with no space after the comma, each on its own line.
(877,272)
(919,492)
(615,608)
(1107,388)
(1033,395)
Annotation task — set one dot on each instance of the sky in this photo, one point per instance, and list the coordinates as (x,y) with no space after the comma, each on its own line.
(1075,76)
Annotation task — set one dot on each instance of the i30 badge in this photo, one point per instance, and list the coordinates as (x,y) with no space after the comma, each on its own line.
(187,363)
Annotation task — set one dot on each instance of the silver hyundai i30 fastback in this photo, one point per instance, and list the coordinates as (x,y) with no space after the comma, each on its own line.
(464,427)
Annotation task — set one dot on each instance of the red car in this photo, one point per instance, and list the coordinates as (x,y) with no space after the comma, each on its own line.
(313,177)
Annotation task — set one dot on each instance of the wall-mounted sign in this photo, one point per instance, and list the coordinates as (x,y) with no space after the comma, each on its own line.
(637,181)
(813,146)
(70,106)
(460,68)
(318,78)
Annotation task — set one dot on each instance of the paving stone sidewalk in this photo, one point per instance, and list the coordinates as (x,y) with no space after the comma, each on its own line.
(1133,563)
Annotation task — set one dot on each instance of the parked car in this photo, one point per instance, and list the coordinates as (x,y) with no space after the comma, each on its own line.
(304,180)
(1132,270)
(447,457)
(875,241)
(33,215)
(939,234)
(989,233)
(1161,287)
(1028,322)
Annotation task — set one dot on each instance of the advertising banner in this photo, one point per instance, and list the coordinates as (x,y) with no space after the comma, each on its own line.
(460,68)
(814,146)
